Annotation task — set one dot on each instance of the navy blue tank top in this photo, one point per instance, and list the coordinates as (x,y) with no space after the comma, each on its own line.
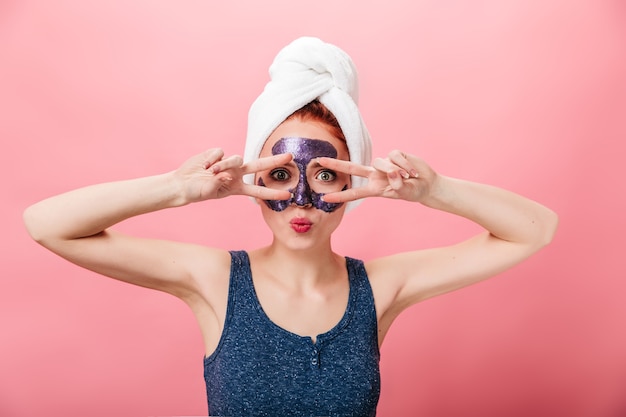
(261,369)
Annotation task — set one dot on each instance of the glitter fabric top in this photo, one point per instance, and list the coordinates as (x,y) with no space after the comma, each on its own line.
(261,369)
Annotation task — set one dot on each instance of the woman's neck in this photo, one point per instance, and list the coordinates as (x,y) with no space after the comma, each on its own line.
(313,266)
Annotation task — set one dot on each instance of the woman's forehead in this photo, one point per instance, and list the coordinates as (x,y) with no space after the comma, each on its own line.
(304,148)
(312,130)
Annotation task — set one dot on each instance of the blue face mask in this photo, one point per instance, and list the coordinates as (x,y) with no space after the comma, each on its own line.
(304,151)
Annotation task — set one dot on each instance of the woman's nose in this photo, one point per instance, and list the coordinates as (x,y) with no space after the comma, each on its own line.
(302,194)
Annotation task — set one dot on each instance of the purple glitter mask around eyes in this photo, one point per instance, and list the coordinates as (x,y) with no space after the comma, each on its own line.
(304,150)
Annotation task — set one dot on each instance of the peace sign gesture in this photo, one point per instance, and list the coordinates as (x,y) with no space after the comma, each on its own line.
(400,176)
(210,176)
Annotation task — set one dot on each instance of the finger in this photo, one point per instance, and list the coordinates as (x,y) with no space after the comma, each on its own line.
(388,167)
(350,194)
(347,167)
(401,159)
(395,174)
(269,162)
(264,193)
(233,161)
(212,156)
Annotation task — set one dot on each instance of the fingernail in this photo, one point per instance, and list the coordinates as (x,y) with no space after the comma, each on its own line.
(414,173)
(405,174)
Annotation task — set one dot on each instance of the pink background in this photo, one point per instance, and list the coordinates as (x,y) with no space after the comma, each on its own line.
(530,96)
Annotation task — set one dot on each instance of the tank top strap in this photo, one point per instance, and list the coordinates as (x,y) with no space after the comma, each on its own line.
(360,284)
(240,288)
(240,276)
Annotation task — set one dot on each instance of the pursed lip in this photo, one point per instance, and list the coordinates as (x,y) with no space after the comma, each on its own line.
(300,224)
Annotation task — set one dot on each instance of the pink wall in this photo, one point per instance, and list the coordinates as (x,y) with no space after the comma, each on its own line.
(526,95)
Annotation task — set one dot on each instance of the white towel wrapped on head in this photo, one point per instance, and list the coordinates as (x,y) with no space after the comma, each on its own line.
(305,70)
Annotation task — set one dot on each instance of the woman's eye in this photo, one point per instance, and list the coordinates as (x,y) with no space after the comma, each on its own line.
(280,175)
(326,176)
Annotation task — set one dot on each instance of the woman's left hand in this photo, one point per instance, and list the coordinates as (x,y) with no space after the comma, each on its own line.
(400,176)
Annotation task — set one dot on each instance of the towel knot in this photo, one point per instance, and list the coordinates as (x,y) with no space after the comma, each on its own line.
(313,63)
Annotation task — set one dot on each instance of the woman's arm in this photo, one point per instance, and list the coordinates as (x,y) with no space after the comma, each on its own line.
(76,225)
(515,228)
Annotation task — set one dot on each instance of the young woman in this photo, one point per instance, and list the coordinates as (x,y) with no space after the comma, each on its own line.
(293,328)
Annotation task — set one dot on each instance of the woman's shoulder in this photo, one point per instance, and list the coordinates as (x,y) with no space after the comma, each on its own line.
(384,274)
(211,263)
(210,270)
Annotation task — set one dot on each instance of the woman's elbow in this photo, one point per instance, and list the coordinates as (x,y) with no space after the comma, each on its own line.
(35,224)
(550,224)
(30,222)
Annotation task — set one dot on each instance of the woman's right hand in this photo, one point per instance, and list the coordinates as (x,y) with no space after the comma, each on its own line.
(210,176)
